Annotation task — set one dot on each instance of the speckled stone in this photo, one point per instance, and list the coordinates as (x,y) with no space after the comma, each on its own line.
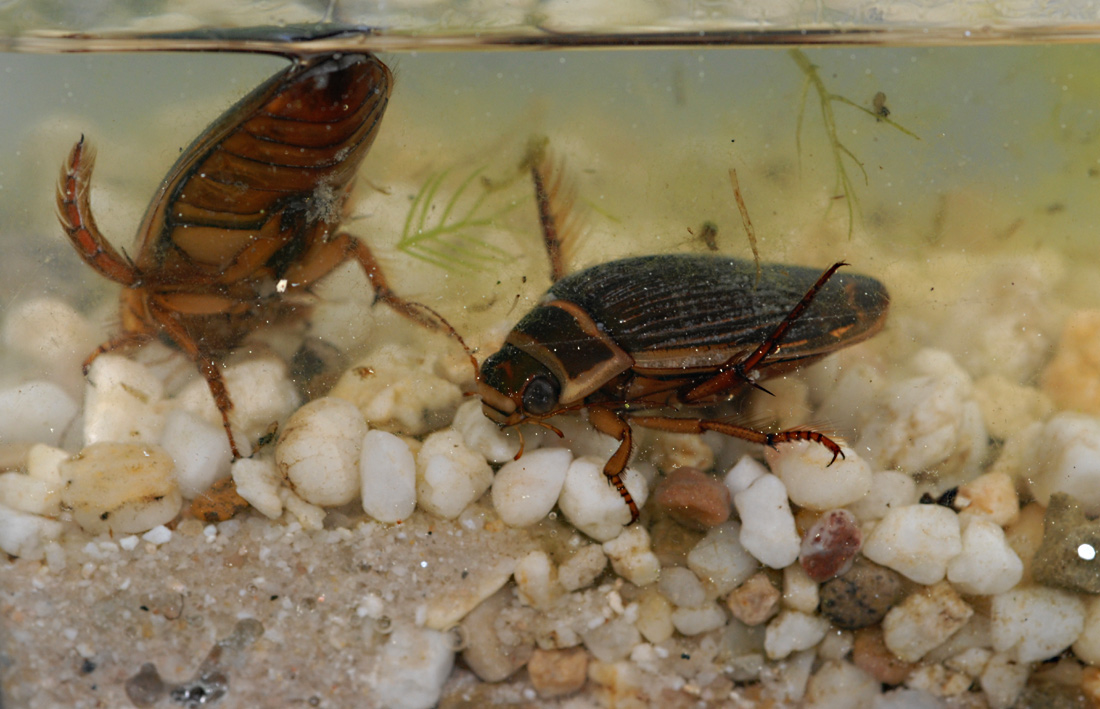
(862,596)
(693,498)
(830,545)
(1058,563)
(219,503)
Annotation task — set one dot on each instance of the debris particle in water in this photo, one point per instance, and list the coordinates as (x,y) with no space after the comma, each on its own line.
(210,683)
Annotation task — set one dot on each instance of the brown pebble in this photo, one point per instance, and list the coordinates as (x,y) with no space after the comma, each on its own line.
(219,503)
(1090,684)
(870,654)
(555,673)
(1057,562)
(754,601)
(693,498)
(862,596)
(830,545)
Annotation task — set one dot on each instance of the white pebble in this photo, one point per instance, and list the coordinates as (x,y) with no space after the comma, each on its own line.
(411,668)
(889,489)
(917,541)
(311,517)
(535,580)
(482,435)
(44,463)
(27,494)
(697,620)
(525,490)
(122,402)
(930,422)
(387,476)
(120,488)
(318,451)
(612,641)
(905,698)
(681,587)
(26,535)
(1087,647)
(767,525)
(987,565)
(200,450)
(257,481)
(49,331)
(631,556)
(655,618)
(45,413)
(397,390)
(719,560)
(791,631)
(810,479)
(799,590)
(924,620)
(1067,459)
(743,474)
(1003,680)
(1036,622)
(581,569)
(841,685)
(592,505)
(158,535)
(261,391)
(449,476)
(129,542)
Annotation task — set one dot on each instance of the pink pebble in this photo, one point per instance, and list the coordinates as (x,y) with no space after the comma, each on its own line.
(830,545)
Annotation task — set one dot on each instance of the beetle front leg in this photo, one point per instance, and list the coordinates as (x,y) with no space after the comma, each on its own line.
(699,426)
(607,421)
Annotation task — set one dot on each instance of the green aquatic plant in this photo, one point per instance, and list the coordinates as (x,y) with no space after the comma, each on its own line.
(454,240)
(825,99)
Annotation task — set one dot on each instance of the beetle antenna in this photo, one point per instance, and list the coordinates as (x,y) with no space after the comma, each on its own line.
(450,330)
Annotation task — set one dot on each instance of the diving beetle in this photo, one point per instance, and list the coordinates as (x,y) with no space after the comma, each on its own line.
(247,220)
(639,340)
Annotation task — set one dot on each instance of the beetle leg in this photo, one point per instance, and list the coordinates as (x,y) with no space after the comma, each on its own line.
(735,373)
(607,421)
(698,426)
(554,197)
(420,314)
(118,342)
(211,371)
(74,210)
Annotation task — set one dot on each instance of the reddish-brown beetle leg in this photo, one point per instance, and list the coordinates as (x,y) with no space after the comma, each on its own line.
(788,436)
(607,421)
(210,370)
(74,211)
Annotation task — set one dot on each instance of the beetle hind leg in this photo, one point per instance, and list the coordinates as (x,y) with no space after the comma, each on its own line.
(74,210)
(699,426)
(736,372)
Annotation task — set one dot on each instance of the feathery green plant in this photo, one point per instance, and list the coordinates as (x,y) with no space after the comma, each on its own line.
(825,98)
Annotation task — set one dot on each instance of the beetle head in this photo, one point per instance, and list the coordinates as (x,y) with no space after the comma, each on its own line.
(515,387)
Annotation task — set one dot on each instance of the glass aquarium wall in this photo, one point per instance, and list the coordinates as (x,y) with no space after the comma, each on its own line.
(377,539)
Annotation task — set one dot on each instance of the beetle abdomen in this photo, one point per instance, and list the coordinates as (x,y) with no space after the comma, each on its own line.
(272,169)
(688,310)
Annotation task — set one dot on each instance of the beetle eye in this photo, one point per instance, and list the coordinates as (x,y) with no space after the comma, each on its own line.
(540,396)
